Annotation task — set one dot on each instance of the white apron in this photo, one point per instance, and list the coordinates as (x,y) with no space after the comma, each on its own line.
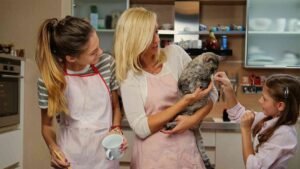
(89,120)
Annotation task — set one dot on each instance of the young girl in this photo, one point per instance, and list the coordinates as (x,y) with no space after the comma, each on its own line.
(80,86)
(275,137)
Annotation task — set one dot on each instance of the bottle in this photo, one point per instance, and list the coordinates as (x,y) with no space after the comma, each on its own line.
(212,42)
(224,42)
(225,115)
(94,16)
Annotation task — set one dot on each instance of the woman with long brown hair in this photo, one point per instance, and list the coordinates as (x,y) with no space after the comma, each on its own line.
(78,83)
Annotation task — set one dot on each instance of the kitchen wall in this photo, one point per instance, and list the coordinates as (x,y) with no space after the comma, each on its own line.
(19,21)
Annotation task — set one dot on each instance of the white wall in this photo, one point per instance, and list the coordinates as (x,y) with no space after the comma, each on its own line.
(19,20)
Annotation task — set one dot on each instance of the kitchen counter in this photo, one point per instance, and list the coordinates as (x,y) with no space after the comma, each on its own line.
(215,123)
(211,123)
(207,124)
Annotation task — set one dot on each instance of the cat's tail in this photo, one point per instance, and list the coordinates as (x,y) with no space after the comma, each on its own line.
(201,148)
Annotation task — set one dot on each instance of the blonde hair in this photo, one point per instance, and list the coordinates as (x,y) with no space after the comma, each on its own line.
(134,34)
(56,40)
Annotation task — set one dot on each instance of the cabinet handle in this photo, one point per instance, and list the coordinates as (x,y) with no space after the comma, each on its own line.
(12,76)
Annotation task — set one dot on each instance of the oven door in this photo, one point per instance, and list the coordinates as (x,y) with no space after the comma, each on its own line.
(9,99)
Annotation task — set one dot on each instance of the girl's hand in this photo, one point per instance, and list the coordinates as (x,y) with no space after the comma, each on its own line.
(247,120)
(124,145)
(184,122)
(222,78)
(116,129)
(58,159)
(198,94)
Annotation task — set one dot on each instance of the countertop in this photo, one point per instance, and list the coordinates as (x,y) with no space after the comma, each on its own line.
(211,123)
(207,124)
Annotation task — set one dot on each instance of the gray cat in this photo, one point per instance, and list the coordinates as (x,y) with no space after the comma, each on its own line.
(197,74)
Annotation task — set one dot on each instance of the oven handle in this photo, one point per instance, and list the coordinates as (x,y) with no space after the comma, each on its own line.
(12,76)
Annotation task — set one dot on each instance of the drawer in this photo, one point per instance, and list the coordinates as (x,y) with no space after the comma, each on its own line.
(209,138)
(10,148)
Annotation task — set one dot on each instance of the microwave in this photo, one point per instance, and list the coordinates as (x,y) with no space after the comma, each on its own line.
(10,70)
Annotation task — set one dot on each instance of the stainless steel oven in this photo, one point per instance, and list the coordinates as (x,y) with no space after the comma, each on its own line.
(10,70)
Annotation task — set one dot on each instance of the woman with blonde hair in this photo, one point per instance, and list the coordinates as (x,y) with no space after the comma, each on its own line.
(148,78)
(78,83)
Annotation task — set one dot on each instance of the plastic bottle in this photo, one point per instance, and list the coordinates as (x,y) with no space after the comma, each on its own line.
(94,16)
(224,42)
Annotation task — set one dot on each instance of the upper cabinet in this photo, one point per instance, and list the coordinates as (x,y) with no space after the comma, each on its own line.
(273,34)
(152,1)
(103,15)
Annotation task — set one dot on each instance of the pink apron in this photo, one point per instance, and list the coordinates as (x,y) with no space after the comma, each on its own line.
(162,151)
(89,119)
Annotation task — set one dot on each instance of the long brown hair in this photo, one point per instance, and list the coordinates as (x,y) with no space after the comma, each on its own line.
(56,40)
(282,88)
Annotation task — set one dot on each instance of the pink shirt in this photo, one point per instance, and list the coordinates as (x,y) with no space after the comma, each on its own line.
(276,151)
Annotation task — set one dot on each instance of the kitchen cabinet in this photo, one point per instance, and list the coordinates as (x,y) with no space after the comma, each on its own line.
(294,163)
(125,160)
(11,148)
(103,15)
(222,146)
(209,140)
(219,15)
(228,12)
(273,34)
(11,137)
(229,147)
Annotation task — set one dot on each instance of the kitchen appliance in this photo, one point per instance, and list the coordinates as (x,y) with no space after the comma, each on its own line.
(10,70)
(186,20)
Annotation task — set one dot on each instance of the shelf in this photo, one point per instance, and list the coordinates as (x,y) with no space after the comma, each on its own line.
(251,89)
(195,52)
(105,30)
(223,2)
(223,33)
(273,33)
(272,67)
(154,2)
(216,33)
(161,32)
(166,32)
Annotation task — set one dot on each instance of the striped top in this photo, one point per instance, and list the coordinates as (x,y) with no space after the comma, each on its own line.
(106,67)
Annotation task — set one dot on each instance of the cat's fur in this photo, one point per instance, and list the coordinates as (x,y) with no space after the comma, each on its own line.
(197,74)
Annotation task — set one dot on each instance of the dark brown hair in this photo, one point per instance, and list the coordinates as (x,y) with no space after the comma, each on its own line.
(56,40)
(282,88)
